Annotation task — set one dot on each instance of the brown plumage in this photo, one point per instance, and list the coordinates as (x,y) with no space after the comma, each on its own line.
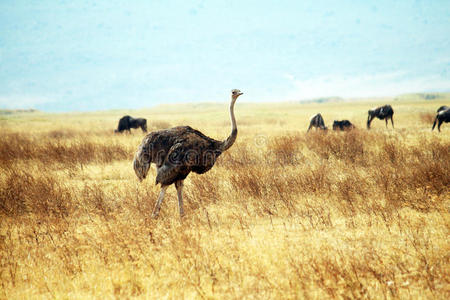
(178,151)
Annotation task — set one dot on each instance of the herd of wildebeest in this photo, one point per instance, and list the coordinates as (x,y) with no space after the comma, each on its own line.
(383,113)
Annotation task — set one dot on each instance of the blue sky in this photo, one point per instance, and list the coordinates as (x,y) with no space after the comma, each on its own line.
(83,55)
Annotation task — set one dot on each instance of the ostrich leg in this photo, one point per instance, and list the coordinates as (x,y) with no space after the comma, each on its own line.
(179,186)
(392,121)
(159,201)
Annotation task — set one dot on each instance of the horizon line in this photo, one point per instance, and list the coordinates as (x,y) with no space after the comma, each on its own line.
(316,100)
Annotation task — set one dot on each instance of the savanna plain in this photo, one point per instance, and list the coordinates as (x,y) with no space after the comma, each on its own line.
(282,215)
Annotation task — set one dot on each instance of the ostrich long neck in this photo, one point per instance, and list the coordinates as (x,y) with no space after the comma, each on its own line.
(230,140)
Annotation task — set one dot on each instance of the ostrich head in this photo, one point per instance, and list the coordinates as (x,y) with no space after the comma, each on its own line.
(235,94)
(141,163)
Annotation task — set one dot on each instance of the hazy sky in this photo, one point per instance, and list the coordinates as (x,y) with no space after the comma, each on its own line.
(83,55)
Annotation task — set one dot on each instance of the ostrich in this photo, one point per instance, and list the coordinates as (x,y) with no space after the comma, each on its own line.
(442,116)
(128,122)
(317,122)
(383,113)
(342,125)
(178,151)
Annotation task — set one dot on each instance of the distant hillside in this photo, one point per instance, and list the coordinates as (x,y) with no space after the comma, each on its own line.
(409,97)
(16,111)
(322,100)
(424,96)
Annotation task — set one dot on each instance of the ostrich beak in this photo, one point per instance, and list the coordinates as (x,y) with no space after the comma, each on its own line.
(241,93)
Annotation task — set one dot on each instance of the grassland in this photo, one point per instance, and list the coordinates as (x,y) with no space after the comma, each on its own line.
(283,214)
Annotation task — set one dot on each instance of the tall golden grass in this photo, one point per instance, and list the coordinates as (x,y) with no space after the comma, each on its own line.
(283,214)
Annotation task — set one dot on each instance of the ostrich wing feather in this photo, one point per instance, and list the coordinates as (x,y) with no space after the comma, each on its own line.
(174,167)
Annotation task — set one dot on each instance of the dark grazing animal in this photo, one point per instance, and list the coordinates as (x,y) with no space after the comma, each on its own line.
(128,122)
(179,151)
(442,116)
(317,122)
(342,125)
(443,107)
(383,113)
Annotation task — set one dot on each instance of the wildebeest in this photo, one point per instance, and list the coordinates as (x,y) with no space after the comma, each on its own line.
(442,116)
(383,113)
(317,122)
(443,107)
(128,122)
(342,125)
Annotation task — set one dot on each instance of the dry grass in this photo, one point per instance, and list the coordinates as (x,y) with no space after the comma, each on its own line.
(427,118)
(283,214)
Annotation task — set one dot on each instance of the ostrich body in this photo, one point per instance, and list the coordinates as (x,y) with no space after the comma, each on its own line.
(317,122)
(442,116)
(179,151)
(383,113)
